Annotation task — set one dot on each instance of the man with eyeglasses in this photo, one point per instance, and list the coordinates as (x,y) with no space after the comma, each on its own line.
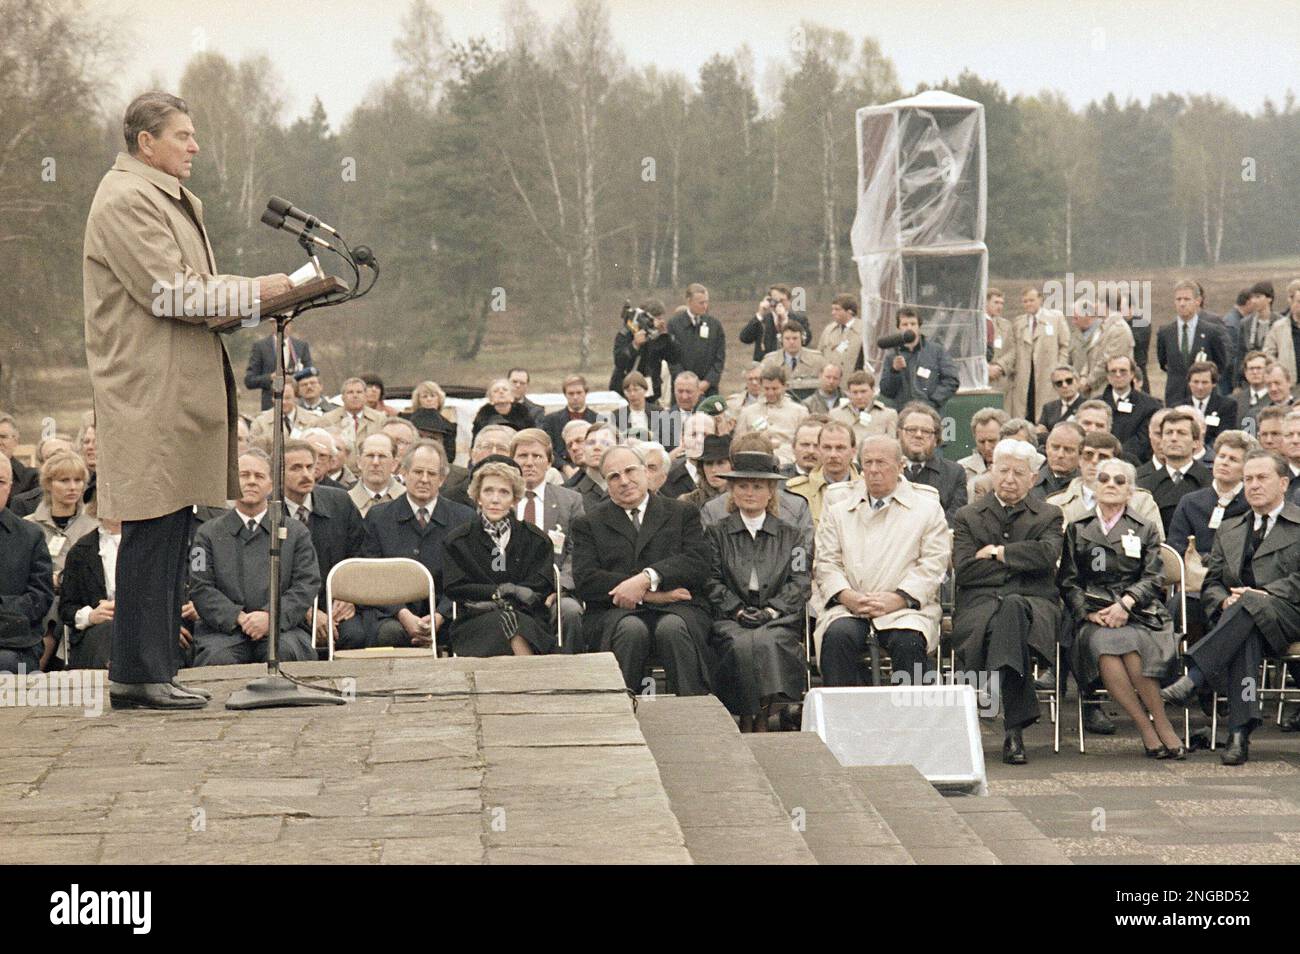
(881,554)
(1131,409)
(918,430)
(1252,396)
(1069,398)
(1251,596)
(640,561)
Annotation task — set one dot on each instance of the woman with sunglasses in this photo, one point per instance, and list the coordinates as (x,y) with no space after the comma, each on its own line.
(1110,580)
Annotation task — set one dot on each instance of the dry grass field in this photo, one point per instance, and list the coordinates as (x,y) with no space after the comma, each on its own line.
(551,352)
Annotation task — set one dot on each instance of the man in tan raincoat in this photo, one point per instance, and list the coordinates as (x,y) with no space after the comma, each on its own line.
(163,389)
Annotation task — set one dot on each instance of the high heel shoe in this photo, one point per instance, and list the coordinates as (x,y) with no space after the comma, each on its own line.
(1176,755)
(1154,753)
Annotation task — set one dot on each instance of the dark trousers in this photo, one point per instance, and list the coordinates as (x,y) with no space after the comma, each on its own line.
(638,638)
(151,564)
(91,648)
(29,660)
(845,642)
(1230,656)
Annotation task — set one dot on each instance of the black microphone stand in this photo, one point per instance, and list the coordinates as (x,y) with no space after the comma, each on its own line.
(275,690)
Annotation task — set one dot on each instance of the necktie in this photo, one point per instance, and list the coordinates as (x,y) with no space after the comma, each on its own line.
(1183,344)
(877,504)
(422,518)
(1033,325)
(1176,477)
(913,471)
(305,516)
(378,497)
(636,518)
(530,508)
(252,528)
(791,359)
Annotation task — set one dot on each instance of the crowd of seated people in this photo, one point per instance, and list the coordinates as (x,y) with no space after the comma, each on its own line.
(704,535)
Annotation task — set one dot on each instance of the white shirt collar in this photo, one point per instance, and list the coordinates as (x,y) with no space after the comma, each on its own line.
(539,492)
(753,524)
(640,508)
(294,508)
(1120,397)
(1180,470)
(1089,496)
(256,518)
(1231,495)
(416,508)
(1271,516)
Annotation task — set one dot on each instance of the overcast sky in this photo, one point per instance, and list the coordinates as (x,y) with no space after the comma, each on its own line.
(338,49)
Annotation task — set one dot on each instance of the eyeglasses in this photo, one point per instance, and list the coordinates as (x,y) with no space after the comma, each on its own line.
(1062,382)
(918,431)
(1119,480)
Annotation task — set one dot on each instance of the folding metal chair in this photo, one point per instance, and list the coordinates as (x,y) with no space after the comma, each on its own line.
(379,582)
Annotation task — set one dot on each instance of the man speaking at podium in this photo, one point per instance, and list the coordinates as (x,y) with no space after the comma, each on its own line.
(165,410)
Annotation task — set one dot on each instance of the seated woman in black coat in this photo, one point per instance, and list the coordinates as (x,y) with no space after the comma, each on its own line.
(499,572)
(1110,579)
(501,408)
(759,586)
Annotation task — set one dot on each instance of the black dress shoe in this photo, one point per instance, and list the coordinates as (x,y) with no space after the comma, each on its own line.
(1292,724)
(1237,751)
(190,690)
(1046,680)
(1176,755)
(1157,752)
(1096,722)
(1179,692)
(152,695)
(1013,748)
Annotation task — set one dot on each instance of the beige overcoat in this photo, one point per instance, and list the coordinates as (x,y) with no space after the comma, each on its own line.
(903,546)
(164,393)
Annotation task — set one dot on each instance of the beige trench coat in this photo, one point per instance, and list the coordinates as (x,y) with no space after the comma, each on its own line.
(164,393)
(904,546)
(1278,345)
(1048,349)
(1113,339)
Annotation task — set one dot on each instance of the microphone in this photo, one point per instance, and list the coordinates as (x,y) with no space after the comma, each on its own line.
(896,341)
(283,208)
(278,221)
(362,255)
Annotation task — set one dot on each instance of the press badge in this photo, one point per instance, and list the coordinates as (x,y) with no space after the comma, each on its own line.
(704,330)
(1201,356)
(842,347)
(760,424)
(1132,545)
(1211,420)
(1049,329)
(997,343)
(55,545)
(1216,518)
(1124,407)
(864,418)
(923,373)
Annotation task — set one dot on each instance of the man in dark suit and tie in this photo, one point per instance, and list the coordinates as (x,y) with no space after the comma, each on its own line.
(230,573)
(1130,408)
(575,409)
(1069,397)
(1251,595)
(1187,340)
(261,363)
(337,534)
(701,342)
(1178,475)
(1064,445)
(24,477)
(640,561)
(1219,411)
(918,432)
(551,508)
(763,331)
(414,526)
(1252,396)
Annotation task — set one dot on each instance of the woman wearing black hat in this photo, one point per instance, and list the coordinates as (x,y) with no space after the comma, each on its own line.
(759,587)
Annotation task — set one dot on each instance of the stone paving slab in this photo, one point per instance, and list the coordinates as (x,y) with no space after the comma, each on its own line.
(433,761)
(1114,806)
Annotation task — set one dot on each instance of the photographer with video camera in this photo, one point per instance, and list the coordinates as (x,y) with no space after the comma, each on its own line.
(643,344)
(764,330)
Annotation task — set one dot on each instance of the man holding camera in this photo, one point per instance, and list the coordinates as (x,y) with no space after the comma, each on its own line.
(764,330)
(643,344)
